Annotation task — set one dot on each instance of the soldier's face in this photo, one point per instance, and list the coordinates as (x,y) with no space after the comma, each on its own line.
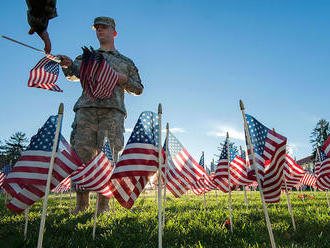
(104,33)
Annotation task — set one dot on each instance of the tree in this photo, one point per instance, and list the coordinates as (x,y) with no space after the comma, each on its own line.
(232,147)
(14,146)
(319,134)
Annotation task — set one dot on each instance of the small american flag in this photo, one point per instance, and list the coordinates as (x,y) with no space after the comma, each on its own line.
(221,172)
(138,162)
(45,74)
(323,177)
(95,176)
(97,78)
(326,147)
(269,150)
(292,172)
(64,186)
(183,169)
(201,160)
(26,182)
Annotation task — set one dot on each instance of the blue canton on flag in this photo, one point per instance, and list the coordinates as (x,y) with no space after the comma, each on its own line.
(201,160)
(107,150)
(6,169)
(140,156)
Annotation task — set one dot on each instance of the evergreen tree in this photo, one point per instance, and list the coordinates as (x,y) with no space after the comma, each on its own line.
(319,134)
(232,146)
(14,146)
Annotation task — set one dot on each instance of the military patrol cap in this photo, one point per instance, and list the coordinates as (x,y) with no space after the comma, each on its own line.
(106,21)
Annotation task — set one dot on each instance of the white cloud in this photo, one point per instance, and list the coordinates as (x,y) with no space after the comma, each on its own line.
(221,131)
(175,130)
(128,130)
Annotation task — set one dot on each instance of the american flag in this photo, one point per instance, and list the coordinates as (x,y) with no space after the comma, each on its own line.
(97,78)
(326,147)
(64,186)
(239,172)
(221,172)
(2,178)
(45,74)
(308,179)
(204,184)
(269,150)
(26,182)
(323,177)
(138,162)
(95,176)
(183,170)
(201,160)
(293,172)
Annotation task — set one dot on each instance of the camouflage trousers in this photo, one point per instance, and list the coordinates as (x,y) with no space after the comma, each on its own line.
(89,128)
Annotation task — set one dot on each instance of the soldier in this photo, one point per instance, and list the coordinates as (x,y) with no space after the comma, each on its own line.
(38,14)
(94,117)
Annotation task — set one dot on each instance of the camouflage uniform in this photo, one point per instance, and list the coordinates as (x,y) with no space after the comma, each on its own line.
(39,12)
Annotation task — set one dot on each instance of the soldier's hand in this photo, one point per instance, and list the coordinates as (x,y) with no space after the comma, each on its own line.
(65,61)
(122,78)
(45,37)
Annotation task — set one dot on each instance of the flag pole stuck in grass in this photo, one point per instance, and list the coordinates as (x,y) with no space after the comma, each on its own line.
(245,196)
(50,171)
(160,232)
(26,222)
(248,137)
(98,195)
(165,177)
(229,186)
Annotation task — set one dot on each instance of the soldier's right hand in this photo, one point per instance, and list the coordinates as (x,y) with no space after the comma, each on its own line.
(65,61)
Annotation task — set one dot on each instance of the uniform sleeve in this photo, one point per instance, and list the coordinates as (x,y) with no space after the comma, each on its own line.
(133,84)
(72,72)
(39,12)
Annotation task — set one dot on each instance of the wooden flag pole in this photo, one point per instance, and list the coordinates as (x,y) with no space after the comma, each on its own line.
(57,60)
(288,199)
(98,195)
(302,193)
(70,202)
(245,196)
(95,214)
(204,192)
(229,186)
(160,232)
(26,222)
(216,196)
(61,193)
(50,172)
(269,227)
(165,177)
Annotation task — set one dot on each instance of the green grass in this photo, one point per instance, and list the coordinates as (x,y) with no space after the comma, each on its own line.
(187,223)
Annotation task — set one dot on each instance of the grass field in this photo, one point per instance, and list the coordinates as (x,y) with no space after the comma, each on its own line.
(187,223)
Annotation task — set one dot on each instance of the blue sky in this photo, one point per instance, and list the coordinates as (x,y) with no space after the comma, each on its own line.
(197,58)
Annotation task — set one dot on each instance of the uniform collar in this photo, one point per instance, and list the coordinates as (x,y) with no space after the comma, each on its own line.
(114,52)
